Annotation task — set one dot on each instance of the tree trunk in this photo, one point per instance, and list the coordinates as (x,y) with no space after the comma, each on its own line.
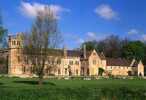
(40,82)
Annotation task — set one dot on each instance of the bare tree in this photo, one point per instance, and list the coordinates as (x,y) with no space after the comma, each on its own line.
(44,34)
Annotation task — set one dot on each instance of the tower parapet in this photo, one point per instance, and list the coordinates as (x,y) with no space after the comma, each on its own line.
(15,41)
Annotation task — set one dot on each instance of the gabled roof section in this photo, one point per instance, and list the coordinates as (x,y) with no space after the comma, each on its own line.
(135,64)
(101,55)
(88,54)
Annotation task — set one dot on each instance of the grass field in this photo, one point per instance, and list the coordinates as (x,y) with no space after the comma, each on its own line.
(103,89)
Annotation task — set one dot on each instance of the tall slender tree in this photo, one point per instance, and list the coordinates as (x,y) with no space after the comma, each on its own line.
(44,35)
(3,34)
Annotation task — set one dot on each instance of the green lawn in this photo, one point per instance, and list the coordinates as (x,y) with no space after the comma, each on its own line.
(103,89)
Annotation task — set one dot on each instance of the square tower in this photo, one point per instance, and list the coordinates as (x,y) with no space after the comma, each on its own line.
(15,54)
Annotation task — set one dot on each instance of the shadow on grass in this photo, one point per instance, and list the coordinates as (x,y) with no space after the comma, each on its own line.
(1,84)
(34,83)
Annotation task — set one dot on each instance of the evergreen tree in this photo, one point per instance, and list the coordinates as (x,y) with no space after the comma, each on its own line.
(3,34)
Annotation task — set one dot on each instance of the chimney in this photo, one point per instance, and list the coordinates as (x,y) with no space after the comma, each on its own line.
(84,51)
(65,52)
(9,40)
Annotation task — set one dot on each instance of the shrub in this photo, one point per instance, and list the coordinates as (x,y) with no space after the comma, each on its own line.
(100,71)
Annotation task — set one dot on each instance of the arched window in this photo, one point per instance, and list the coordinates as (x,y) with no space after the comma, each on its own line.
(140,74)
(65,70)
(14,42)
(18,43)
(88,71)
(18,58)
(26,60)
(76,71)
(24,69)
(71,62)
(59,61)
(77,62)
(59,72)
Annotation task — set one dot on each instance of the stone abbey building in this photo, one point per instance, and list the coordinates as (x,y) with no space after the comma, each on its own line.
(69,62)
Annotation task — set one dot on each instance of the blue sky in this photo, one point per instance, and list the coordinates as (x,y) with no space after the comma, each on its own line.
(81,20)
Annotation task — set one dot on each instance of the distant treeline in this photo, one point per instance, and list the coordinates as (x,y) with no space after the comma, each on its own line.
(115,47)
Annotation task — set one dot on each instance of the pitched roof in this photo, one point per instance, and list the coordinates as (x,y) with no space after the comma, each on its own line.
(73,53)
(55,52)
(117,62)
(59,52)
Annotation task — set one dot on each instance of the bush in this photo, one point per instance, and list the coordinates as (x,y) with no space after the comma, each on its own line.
(100,71)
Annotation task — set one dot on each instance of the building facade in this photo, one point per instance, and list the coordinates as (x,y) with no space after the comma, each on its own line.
(70,62)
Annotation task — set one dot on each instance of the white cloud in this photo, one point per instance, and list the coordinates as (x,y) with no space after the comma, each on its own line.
(77,39)
(72,37)
(133,31)
(136,34)
(106,12)
(80,40)
(91,36)
(31,10)
(144,37)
